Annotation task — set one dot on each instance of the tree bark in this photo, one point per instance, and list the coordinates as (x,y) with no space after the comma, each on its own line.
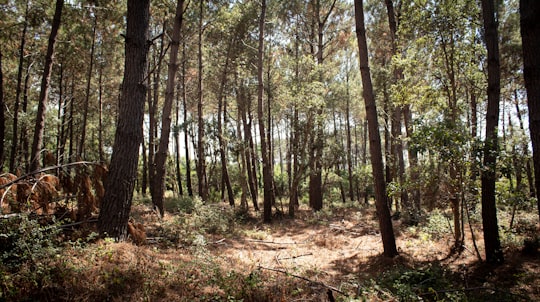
(492,243)
(530,36)
(267,176)
(383,213)
(43,94)
(222,111)
(80,149)
(116,204)
(186,128)
(158,179)
(2,117)
(15,135)
(201,160)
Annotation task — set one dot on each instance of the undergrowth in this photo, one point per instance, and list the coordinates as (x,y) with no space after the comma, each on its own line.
(182,261)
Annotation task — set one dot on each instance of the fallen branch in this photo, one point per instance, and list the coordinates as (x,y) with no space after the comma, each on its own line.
(272,242)
(305,279)
(294,257)
(338,228)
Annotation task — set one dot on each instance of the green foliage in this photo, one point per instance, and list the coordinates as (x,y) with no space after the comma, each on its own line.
(25,240)
(422,284)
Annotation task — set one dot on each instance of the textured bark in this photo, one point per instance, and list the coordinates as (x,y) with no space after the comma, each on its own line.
(43,94)
(383,213)
(492,243)
(116,204)
(530,35)
(201,161)
(158,179)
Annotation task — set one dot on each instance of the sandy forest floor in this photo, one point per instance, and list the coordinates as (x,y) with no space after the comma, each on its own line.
(214,254)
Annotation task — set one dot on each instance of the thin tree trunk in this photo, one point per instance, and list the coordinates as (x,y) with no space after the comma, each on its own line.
(2,116)
(158,179)
(530,35)
(177,142)
(201,161)
(116,204)
(43,94)
(383,213)
(80,149)
(186,128)
(222,108)
(15,135)
(267,176)
(492,243)
(100,109)
(525,147)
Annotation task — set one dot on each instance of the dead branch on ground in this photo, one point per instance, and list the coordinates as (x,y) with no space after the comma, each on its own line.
(305,279)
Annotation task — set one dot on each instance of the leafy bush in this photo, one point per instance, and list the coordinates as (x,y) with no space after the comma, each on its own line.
(23,239)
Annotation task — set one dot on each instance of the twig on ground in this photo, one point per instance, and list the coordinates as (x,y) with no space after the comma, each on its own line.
(297,256)
(272,242)
(305,279)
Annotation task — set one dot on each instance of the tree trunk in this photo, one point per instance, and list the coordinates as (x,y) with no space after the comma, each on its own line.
(525,146)
(100,109)
(222,108)
(186,132)
(43,94)
(383,213)
(158,179)
(80,149)
(530,35)
(153,101)
(15,137)
(2,117)
(267,176)
(116,204)
(177,141)
(201,160)
(492,243)
(349,142)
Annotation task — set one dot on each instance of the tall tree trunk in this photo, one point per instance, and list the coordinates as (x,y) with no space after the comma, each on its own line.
(267,176)
(116,204)
(222,109)
(15,135)
(349,141)
(186,128)
(158,179)
(43,94)
(492,243)
(153,101)
(2,117)
(80,149)
(530,35)
(383,213)
(177,141)
(100,111)
(525,147)
(201,160)
(249,149)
